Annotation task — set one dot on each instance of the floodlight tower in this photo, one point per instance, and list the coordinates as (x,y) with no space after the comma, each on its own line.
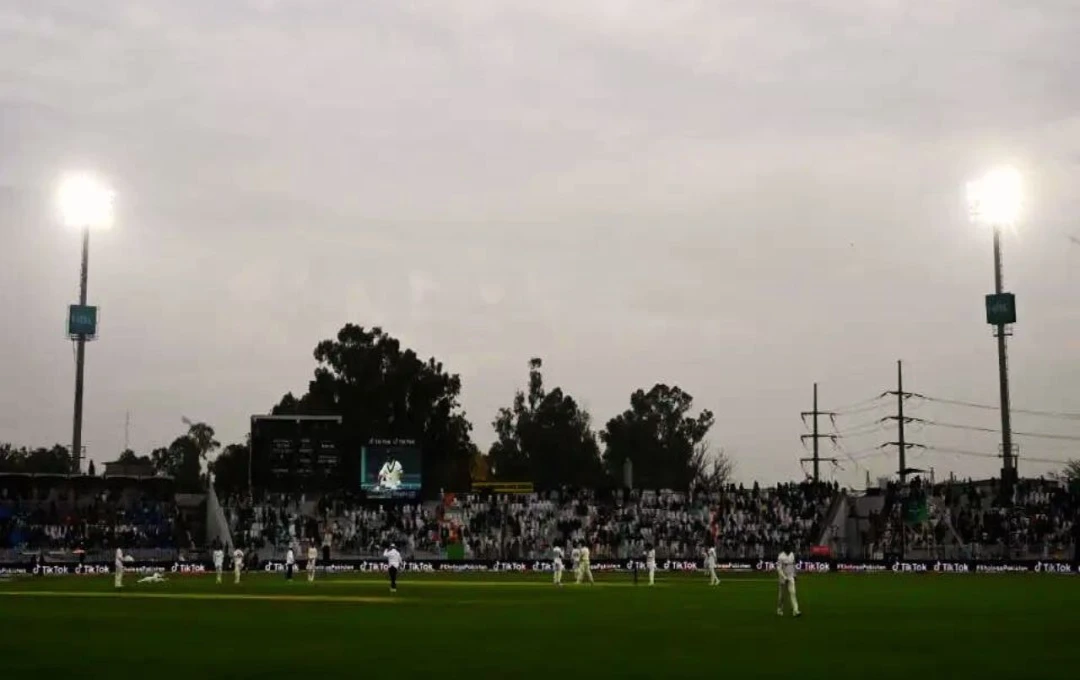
(994,200)
(86,204)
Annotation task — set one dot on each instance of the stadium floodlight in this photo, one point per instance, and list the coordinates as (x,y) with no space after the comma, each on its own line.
(995,201)
(85,202)
(996,198)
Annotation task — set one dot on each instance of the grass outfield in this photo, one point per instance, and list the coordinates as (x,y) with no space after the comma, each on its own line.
(519,626)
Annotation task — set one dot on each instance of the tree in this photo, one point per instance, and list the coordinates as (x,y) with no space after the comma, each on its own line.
(658,436)
(546,438)
(382,390)
(188,469)
(230,469)
(12,459)
(129,457)
(9,458)
(1071,473)
(711,472)
(181,460)
(39,461)
(203,437)
(163,461)
(52,461)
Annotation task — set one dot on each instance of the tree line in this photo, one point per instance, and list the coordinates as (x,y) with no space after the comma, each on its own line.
(382,389)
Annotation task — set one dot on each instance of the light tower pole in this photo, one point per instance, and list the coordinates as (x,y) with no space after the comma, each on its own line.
(80,357)
(994,200)
(85,204)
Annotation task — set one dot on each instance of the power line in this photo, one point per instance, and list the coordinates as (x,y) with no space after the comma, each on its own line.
(859,406)
(983,454)
(870,452)
(974,428)
(1066,415)
(869,410)
(872,427)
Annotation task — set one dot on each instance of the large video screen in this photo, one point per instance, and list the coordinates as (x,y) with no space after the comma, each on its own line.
(391,468)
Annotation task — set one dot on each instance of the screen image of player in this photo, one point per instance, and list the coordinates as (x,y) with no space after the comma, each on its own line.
(390,470)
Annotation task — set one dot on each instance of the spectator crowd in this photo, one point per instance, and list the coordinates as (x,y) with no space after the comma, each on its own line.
(948,520)
(745,522)
(78,515)
(968,519)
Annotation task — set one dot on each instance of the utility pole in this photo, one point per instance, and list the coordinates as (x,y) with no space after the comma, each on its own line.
(815,436)
(127,430)
(902,445)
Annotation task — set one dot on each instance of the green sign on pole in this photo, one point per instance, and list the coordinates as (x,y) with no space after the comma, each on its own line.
(1001,309)
(82,320)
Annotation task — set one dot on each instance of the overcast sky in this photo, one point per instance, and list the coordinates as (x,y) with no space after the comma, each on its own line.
(741,198)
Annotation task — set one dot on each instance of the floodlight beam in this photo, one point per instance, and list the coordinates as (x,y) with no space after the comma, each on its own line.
(85,202)
(996,198)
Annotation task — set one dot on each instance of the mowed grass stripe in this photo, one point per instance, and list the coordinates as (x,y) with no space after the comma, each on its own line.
(345,599)
(441,583)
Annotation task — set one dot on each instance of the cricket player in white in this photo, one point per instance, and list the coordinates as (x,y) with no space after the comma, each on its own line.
(390,475)
(650,564)
(312,557)
(237,564)
(290,564)
(393,560)
(219,562)
(586,572)
(118,568)
(575,563)
(710,566)
(558,565)
(156,577)
(785,571)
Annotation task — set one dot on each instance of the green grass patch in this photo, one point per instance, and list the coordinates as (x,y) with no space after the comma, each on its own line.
(519,626)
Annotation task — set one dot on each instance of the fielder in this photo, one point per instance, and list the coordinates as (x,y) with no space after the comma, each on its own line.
(393,561)
(585,571)
(237,564)
(575,563)
(558,565)
(219,562)
(118,579)
(650,564)
(156,577)
(312,557)
(785,570)
(710,566)
(290,564)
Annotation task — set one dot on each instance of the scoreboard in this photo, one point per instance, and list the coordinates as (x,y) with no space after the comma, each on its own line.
(295,453)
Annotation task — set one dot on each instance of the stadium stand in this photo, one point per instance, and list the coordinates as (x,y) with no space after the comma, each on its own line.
(742,522)
(68,517)
(964,520)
